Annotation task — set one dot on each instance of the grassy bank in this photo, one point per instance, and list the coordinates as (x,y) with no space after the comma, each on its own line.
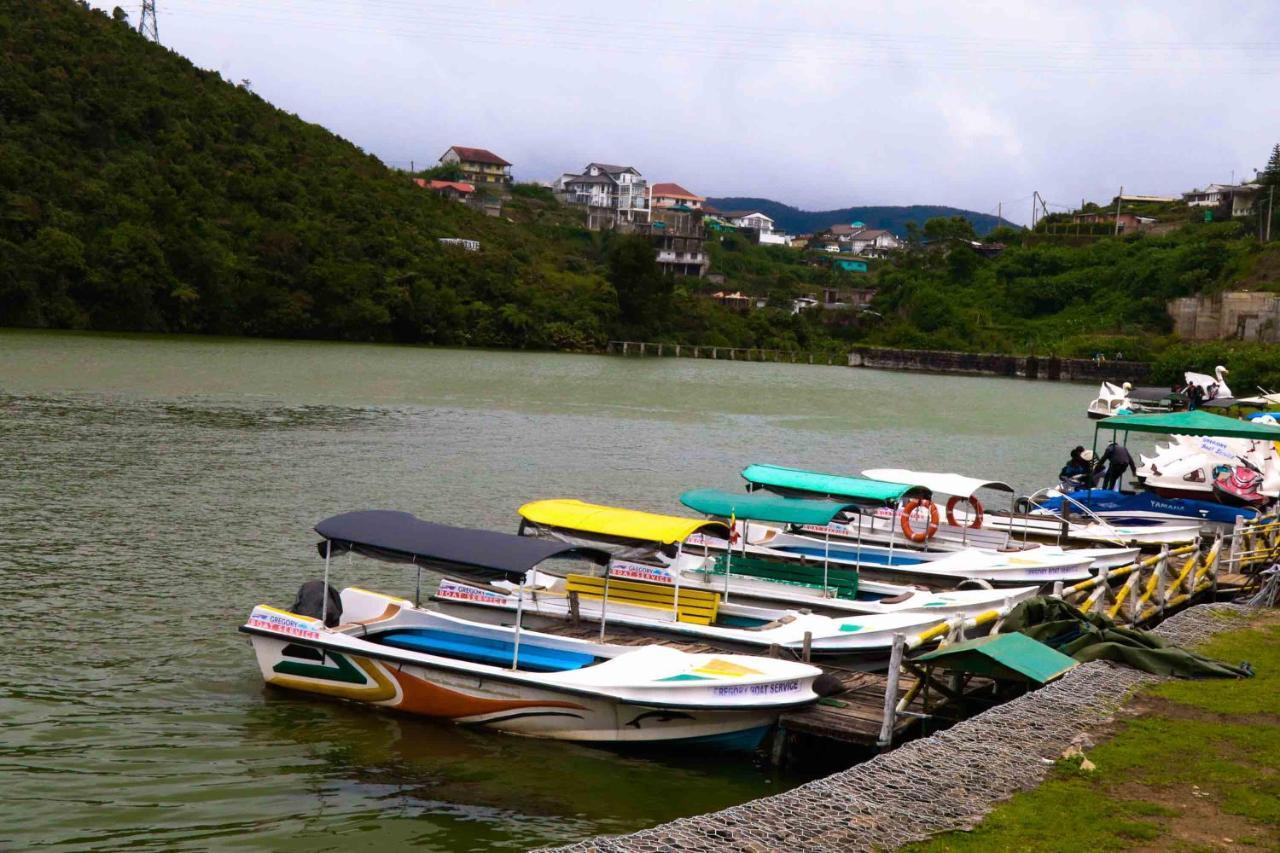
(1189,765)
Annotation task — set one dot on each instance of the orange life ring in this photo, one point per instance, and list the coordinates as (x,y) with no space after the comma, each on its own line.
(972,502)
(919,535)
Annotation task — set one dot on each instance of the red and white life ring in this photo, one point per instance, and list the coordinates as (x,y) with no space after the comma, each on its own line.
(974,504)
(909,531)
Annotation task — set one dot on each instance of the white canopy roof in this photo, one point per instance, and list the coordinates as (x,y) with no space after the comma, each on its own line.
(938,483)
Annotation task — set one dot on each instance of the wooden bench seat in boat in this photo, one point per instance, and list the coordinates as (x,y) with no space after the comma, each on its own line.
(483,649)
(842,581)
(697,606)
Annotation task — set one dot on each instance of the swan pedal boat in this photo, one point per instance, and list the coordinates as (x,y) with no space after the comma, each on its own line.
(389,653)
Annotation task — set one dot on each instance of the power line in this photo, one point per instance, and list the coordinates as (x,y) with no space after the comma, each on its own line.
(147,22)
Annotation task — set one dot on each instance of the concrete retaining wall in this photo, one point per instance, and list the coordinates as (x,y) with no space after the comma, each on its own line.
(990,364)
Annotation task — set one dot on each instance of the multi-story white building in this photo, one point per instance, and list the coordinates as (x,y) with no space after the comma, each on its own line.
(611,194)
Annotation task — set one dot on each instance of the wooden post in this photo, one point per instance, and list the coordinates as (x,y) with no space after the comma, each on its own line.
(626,347)
(695,352)
(1236,533)
(778,754)
(891,691)
(659,350)
(677,350)
(808,645)
(774,650)
(1057,589)
(575,616)
(642,346)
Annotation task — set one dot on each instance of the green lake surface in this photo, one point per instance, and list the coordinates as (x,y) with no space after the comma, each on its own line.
(154,489)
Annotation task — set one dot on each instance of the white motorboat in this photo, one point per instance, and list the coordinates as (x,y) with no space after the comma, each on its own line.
(697,613)
(387,652)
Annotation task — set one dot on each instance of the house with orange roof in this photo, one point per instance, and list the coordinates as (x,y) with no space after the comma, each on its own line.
(674,195)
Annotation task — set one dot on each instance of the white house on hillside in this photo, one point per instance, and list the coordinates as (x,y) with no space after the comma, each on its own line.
(611,194)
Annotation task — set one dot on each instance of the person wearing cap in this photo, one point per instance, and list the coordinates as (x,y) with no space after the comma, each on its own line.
(1078,471)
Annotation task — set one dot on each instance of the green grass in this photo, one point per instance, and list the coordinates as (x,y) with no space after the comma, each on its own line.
(1200,763)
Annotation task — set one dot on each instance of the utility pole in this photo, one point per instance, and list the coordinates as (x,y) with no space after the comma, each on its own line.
(147,23)
(1118,199)
(999,213)
(1271,200)
(1034,194)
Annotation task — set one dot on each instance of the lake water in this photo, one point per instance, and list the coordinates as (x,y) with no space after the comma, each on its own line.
(152,490)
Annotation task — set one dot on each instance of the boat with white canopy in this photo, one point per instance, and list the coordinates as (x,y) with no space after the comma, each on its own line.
(388,652)
(968,523)
(773,527)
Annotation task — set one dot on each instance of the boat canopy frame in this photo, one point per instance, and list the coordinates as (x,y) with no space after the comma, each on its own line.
(401,537)
(858,490)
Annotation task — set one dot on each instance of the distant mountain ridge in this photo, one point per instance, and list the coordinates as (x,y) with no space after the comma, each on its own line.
(895,219)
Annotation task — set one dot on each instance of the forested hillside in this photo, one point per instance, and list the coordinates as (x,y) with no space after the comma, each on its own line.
(895,219)
(142,193)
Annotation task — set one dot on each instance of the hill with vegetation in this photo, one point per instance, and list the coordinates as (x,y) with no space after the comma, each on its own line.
(895,219)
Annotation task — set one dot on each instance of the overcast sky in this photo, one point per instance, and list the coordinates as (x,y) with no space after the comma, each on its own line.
(816,104)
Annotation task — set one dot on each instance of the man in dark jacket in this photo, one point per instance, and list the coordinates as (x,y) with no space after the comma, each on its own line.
(1117,458)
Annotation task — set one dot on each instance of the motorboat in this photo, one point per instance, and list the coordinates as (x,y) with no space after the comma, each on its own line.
(389,652)
(692,552)
(904,526)
(698,614)
(777,514)
(1145,508)
(1190,466)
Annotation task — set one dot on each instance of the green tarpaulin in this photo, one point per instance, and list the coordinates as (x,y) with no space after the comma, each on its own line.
(874,492)
(1087,637)
(764,506)
(1192,423)
(1013,657)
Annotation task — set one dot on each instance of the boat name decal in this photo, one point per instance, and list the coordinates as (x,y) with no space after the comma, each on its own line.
(837,529)
(640,572)
(758,689)
(449,589)
(283,625)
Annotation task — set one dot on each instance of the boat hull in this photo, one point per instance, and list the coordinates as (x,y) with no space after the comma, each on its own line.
(467,699)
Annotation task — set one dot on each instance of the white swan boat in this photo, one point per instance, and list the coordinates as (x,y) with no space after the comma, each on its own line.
(385,651)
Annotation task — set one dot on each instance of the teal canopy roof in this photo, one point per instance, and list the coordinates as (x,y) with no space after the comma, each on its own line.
(1192,423)
(1014,657)
(764,506)
(856,489)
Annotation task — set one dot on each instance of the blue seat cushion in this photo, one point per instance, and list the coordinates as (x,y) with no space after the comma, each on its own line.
(483,649)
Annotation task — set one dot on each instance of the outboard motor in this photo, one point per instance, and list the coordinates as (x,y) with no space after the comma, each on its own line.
(310,602)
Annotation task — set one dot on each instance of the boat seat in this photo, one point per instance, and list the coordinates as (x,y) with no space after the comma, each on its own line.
(842,581)
(696,606)
(483,649)
(392,610)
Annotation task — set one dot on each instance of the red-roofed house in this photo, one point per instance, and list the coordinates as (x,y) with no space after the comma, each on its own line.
(673,195)
(479,165)
(455,190)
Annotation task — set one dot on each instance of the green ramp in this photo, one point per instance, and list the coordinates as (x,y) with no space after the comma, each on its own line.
(1011,657)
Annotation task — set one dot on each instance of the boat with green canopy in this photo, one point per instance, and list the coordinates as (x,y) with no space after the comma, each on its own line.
(754,519)
(859,490)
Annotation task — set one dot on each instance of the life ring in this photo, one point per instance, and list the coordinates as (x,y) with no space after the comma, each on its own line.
(919,535)
(973,502)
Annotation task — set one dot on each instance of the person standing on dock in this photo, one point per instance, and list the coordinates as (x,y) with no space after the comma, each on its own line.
(1117,458)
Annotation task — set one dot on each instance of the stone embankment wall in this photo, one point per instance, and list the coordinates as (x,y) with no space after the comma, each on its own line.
(989,364)
(1241,314)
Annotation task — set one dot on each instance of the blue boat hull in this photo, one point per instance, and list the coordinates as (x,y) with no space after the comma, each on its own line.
(1147,507)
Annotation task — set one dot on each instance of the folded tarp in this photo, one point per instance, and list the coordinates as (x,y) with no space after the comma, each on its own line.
(1090,636)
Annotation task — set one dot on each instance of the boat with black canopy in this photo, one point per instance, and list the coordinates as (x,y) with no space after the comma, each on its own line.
(389,652)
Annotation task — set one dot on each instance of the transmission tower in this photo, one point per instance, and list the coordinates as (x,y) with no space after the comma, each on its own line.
(147,23)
